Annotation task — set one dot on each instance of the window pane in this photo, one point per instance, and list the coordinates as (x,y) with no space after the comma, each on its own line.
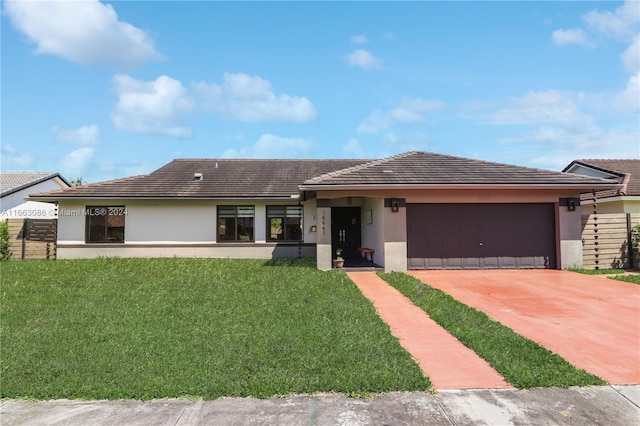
(246,211)
(293,229)
(275,229)
(96,229)
(115,228)
(105,224)
(226,229)
(294,211)
(276,211)
(226,211)
(245,228)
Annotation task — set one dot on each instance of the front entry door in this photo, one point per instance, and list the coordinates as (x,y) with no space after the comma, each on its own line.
(345,231)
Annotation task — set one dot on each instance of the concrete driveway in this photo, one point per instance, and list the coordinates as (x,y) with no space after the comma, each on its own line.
(591,321)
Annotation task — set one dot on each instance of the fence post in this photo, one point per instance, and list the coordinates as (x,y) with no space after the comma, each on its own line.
(24,238)
(630,255)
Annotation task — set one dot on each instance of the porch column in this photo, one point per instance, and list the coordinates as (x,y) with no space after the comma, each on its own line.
(395,235)
(323,245)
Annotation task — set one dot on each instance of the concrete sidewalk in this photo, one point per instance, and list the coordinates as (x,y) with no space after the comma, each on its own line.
(610,405)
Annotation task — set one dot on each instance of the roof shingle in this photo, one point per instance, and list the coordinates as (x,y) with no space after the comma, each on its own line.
(237,179)
(221,178)
(11,182)
(425,168)
(627,172)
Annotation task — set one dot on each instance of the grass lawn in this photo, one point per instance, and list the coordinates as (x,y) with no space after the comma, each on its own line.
(597,271)
(160,328)
(635,279)
(616,274)
(522,362)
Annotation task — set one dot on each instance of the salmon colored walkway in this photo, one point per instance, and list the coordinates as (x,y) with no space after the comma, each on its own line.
(448,363)
(592,322)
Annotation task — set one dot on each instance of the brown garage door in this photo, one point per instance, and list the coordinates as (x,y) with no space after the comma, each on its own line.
(481,236)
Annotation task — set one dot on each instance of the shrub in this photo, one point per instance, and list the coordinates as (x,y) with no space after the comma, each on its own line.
(5,254)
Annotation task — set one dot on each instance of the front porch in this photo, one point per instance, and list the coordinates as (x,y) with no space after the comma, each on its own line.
(352,223)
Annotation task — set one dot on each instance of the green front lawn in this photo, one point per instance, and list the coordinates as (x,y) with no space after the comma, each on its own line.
(161,328)
(616,274)
(630,278)
(597,271)
(522,362)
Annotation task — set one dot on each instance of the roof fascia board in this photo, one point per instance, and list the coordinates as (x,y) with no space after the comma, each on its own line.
(462,186)
(96,198)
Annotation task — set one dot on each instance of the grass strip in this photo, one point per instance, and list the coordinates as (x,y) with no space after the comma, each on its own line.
(176,327)
(631,278)
(597,271)
(522,362)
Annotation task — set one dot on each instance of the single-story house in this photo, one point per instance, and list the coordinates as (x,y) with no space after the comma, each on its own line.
(625,199)
(16,186)
(414,210)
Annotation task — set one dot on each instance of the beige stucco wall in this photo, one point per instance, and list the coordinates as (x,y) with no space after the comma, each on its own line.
(615,205)
(175,228)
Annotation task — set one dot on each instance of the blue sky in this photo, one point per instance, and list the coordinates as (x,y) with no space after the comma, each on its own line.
(103,90)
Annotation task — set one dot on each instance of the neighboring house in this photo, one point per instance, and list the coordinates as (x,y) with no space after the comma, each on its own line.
(416,210)
(625,199)
(16,186)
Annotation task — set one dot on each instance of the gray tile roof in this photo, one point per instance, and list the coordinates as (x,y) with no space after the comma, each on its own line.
(221,178)
(425,168)
(11,182)
(628,172)
(237,179)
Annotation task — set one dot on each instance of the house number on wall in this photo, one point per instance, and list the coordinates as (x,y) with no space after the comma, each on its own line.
(323,222)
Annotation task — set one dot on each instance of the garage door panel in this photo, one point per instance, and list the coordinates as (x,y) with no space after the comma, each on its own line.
(477,236)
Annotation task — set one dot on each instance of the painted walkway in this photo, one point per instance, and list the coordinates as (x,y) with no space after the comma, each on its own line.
(447,362)
(592,322)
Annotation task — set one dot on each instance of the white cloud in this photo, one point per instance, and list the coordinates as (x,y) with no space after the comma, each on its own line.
(83,136)
(410,111)
(363,59)
(353,149)
(391,138)
(572,36)
(85,32)
(76,163)
(547,107)
(621,23)
(251,99)
(12,159)
(554,120)
(387,35)
(629,99)
(273,146)
(631,56)
(157,107)
(359,39)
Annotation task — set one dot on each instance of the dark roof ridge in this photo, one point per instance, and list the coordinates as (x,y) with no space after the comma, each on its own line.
(362,166)
(625,184)
(270,159)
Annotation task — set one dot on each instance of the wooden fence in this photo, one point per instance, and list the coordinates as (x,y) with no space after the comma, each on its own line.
(32,239)
(607,238)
